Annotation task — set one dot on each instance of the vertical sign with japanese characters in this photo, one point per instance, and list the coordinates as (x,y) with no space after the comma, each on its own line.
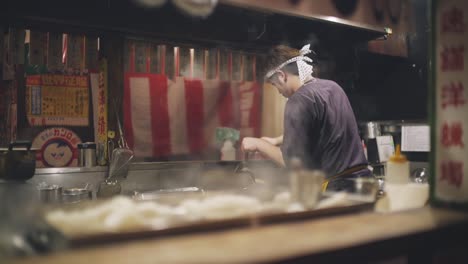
(450,181)
(99,95)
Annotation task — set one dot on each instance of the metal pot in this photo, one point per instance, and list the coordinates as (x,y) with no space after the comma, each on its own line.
(18,162)
(75,195)
(370,130)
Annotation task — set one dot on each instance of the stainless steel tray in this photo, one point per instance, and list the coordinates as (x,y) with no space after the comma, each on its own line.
(248,221)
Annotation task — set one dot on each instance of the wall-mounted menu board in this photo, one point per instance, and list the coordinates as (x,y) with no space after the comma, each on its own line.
(450,103)
(53,99)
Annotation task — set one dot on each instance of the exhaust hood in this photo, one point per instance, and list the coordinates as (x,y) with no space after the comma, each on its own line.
(230,24)
(313,23)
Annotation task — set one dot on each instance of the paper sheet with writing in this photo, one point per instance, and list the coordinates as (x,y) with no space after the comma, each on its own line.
(386,147)
(415,139)
(53,99)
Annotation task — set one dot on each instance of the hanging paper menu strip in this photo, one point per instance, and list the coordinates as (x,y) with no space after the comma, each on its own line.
(57,100)
(91,53)
(75,52)
(54,52)
(450,184)
(8,69)
(37,48)
(140,57)
(20,35)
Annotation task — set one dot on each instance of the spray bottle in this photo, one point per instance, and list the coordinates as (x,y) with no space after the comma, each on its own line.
(227,137)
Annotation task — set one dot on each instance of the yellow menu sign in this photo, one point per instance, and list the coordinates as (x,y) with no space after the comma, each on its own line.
(57,100)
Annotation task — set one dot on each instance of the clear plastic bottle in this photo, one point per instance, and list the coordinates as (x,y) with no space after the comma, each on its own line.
(397,168)
(228,152)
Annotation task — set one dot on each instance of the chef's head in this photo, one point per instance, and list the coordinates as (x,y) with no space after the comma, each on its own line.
(288,68)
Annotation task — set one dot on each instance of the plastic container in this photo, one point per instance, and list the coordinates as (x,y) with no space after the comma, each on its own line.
(398,168)
(87,154)
(305,185)
(228,152)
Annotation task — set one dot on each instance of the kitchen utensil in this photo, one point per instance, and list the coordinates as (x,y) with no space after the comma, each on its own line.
(122,142)
(18,162)
(108,189)
(307,187)
(87,154)
(30,239)
(120,163)
(380,185)
(75,195)
(169,195)
(118,170)
(101,154)
(372,130)
(419,175)
(110,144)
(50,193)
(366,186)
(243,169)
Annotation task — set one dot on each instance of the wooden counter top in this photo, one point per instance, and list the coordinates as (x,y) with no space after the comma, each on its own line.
(282,241)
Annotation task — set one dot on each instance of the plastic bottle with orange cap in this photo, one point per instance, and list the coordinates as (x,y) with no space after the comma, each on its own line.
(397,168)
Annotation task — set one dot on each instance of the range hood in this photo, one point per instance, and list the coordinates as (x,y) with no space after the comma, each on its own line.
(315,23)
(230,25)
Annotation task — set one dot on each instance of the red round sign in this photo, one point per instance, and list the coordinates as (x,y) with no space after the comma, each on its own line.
(56,148)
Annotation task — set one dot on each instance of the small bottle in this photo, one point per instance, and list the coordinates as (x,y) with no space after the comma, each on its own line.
(87,154)
(228,152)
(397,168)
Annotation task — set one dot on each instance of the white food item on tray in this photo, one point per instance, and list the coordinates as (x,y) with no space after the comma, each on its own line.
(118,214)
(222,206)
(124,214)
(121,213)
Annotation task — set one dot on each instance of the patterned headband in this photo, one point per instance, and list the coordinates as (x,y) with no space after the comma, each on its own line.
(304,68)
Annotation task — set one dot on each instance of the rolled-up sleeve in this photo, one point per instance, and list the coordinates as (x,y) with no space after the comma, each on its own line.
(299,130)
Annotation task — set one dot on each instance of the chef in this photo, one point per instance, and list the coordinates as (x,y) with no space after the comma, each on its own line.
(319,125)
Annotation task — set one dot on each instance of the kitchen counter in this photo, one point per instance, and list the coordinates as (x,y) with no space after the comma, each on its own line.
(368,236)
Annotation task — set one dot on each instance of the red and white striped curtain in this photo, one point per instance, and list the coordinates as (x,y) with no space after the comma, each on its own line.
(173,106)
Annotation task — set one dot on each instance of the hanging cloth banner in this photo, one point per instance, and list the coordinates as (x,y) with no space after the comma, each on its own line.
(163,117)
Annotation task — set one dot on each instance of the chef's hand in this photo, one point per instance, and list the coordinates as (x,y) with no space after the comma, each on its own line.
(250,144)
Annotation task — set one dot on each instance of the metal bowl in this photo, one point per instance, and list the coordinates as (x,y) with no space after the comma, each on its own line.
(366,186)
(50,194)
(74,195)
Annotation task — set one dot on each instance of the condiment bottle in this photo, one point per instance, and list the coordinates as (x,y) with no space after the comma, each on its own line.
(397,168)
(228,152)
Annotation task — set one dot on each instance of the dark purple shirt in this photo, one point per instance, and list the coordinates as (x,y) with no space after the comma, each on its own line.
(320,128)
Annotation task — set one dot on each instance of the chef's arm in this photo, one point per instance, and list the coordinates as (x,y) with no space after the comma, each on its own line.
(265,148)
(277,141)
